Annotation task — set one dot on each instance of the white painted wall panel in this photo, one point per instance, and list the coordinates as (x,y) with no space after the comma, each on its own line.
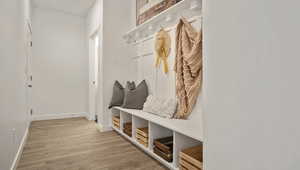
(115,54)
(149,73)
(160,84)
(60,63)
(252,85)
(140,74)
(13,116)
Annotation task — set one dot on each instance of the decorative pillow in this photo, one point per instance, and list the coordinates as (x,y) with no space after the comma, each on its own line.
(135,99)
(130,85)
(117,96)
(161,107)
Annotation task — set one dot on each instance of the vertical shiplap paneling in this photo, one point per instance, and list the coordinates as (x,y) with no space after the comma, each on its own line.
(149,73)
(160,84)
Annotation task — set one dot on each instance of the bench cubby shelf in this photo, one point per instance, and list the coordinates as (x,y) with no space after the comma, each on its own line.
(186,133)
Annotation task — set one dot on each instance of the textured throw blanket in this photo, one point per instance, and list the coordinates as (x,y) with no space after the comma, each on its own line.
(160,107)
(188,67)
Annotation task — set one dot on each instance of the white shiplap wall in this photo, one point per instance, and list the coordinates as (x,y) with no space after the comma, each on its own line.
(160,84)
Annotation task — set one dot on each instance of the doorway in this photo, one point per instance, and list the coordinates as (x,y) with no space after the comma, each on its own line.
(29,78)
(93,75)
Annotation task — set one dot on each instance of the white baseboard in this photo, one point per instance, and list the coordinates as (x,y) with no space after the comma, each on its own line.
(101,128)
(105,129)
(20,150)
(37,117)
(90,117)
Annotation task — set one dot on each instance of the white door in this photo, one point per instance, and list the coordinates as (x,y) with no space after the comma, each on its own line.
(29,77)
(93,74)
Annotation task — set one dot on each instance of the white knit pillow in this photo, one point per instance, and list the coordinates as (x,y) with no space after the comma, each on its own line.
(161,107)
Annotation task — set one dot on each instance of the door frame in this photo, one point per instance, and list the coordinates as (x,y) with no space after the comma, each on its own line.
(29,72)
(93,71)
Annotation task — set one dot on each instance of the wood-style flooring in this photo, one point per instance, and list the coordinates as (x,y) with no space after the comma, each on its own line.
(76,144)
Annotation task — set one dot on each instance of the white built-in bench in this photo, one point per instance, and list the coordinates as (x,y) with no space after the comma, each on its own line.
(186,133)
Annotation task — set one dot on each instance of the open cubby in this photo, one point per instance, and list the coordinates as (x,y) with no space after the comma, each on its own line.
(159,128)
(116,113)
(156,132)
(138,123)
(125,118)
(182,142)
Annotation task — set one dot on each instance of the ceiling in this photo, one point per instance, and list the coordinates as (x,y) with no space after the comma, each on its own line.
(75,7)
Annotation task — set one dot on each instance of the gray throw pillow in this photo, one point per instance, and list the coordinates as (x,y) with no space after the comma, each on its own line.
(135,99)
(117,96)
(130,85)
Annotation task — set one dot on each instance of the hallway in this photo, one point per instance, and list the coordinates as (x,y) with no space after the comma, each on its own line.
(76,144)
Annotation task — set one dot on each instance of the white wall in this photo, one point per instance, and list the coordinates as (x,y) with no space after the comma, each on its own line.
(13,117)
(94,18)
(60,63)
(252,81)
(115,61)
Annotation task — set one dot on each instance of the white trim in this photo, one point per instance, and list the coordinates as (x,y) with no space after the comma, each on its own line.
(20,150)
(58,116)
(94,33)
(91,117)
(189,127)
(102,128)
(106,129)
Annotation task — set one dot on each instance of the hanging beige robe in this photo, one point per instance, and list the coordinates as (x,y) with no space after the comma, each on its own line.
(188,67)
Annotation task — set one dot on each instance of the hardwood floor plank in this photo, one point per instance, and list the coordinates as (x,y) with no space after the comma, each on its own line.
(76,144)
